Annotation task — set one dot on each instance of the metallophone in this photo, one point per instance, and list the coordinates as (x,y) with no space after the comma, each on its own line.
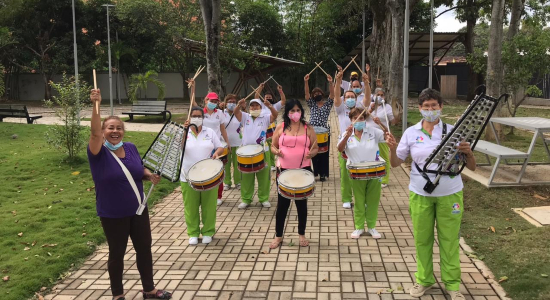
(468,128)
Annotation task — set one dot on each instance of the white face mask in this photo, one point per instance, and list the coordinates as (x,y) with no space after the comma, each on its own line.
(255,113)
(196,121)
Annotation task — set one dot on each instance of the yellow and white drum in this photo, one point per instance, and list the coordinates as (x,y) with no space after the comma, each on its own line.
(322,138)
(250,158)
(296,184)
(205,174)
(223,157)
(270,131)
(367,170)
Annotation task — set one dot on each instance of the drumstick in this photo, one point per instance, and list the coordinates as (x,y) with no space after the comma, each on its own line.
(254,91)
(95,88)
(358,67)
(359,116)
(313,69)
(352,60)
(275,81)
(258,95)
(201,68)
(319,65)
(386,114)
(335,62)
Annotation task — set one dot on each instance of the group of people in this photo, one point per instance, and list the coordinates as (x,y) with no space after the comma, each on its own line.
(217,126)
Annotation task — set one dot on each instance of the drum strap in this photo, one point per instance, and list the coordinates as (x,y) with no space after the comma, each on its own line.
(132,183)
(305,147)
(430,187)
(229,121)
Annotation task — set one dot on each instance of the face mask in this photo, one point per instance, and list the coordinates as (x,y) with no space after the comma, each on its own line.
(350,102)
(295,116)
(113,147)
(430,115)
(379,99)
(270,100)
(357,90)
(196,121)
(318,98)
(212,106)
(255,113)
(359,126)
(231,106)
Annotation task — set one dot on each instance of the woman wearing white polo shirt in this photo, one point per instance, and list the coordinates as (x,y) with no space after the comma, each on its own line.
(233,128)
(268,96)
(378,120)
(343,105)
(444,204)
(199,205)
(361,144)
(254,130)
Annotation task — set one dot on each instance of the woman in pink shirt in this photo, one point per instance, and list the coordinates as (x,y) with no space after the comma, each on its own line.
(295,143)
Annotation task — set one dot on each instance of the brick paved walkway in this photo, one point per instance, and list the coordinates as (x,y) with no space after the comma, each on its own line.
(238,264)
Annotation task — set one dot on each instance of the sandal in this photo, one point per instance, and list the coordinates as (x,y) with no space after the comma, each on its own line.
(160,294)
(275,244)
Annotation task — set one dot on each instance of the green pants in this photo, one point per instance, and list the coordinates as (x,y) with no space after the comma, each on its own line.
(447,211)
(206,201)
(345,180)
(269,156)
(232,161)
(385,154)
(366,192)
(264,183)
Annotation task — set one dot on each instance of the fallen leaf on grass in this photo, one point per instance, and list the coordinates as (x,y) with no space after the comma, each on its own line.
(75,173)
(540,197)
(33,243)
(544,275)
(20,234)
(84,234)
(49,245)
(5,278)
(492,229)
(14,213)
(503,278)
(49,254)
(26,249)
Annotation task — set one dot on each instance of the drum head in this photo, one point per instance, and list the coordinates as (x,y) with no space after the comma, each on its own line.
(297,178)
(250,150)
(205,169)
(320,129)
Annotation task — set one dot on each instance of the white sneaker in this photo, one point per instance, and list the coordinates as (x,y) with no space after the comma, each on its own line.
(193,240)
(226,187)
(357,233)
(206,239)
(384,185)
(374,233)
(347,205)
(243,205)
(273,169)
(456,295)
(418,290)
(238,186)
(220,202)
(266,204)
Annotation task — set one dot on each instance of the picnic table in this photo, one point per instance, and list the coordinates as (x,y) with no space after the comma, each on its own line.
(535,124)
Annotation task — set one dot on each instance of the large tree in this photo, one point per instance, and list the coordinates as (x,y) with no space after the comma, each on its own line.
(211,16)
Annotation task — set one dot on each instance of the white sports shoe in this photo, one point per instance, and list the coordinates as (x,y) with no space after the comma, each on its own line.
(206,239)
(238,186)
(266,204)
(384,185)
(347,205)
(243,205)
(226,187)
(456,295)
(220,202)
(418,290)
(193,240)
(374,233)
(357,233)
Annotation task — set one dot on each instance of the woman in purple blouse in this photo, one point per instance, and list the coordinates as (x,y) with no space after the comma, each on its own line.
(117,202)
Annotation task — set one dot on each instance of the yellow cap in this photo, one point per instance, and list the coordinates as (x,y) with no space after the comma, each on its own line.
(354,73)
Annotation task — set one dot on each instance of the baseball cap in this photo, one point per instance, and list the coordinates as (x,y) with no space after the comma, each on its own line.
(354,73)
(212,96)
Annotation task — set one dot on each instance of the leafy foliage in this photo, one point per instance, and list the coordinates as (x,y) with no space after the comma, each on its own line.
(139,82)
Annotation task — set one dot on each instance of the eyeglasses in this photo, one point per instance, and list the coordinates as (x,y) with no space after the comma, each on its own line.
(283,142)
(432,106)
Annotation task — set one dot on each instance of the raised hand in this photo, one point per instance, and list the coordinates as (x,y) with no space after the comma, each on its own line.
(280,89)
(390,141)
(367,68)
(339,68)
(191,81)
(306,78)
(95,96)
(329,78)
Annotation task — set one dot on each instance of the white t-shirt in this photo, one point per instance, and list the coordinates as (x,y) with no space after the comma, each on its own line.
(254,131)
(346,85)
(233,128)
(380,114)
(277,106)
(419,145)
(198,148)
(365,149)
(343,115)
(214,120)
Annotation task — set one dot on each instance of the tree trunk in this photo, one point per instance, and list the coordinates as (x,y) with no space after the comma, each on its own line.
(473,77)
(494,64)
(516,13)
(379,51)
(211,15)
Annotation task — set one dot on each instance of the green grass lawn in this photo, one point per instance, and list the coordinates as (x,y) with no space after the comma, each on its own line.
(48,215)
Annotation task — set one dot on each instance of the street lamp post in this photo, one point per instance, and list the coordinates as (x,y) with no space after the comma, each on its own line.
(109,54)
(406,66)
(75,54)
(431,44)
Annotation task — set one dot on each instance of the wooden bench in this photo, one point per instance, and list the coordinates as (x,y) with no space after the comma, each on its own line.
(16,111)
(147,108)
(501,153)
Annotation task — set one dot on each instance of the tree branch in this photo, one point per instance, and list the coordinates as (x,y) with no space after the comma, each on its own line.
(460,6)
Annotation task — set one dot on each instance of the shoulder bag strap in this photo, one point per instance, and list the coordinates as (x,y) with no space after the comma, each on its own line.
(131,181)
(229,120)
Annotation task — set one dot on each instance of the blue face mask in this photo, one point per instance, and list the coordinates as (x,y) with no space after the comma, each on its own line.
(212,106)
(357,90)
(231,106)
(359,126)
(113,147)
(350,102)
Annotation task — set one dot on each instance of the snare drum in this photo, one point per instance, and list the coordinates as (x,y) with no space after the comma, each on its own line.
(322,138)
(223,157)
(250,158)
(205,174)
(296,184)
(367,170)
(270,131)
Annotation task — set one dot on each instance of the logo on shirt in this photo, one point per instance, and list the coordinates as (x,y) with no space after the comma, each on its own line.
(420,140)
(456,208)
(206,137)
(248,122)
